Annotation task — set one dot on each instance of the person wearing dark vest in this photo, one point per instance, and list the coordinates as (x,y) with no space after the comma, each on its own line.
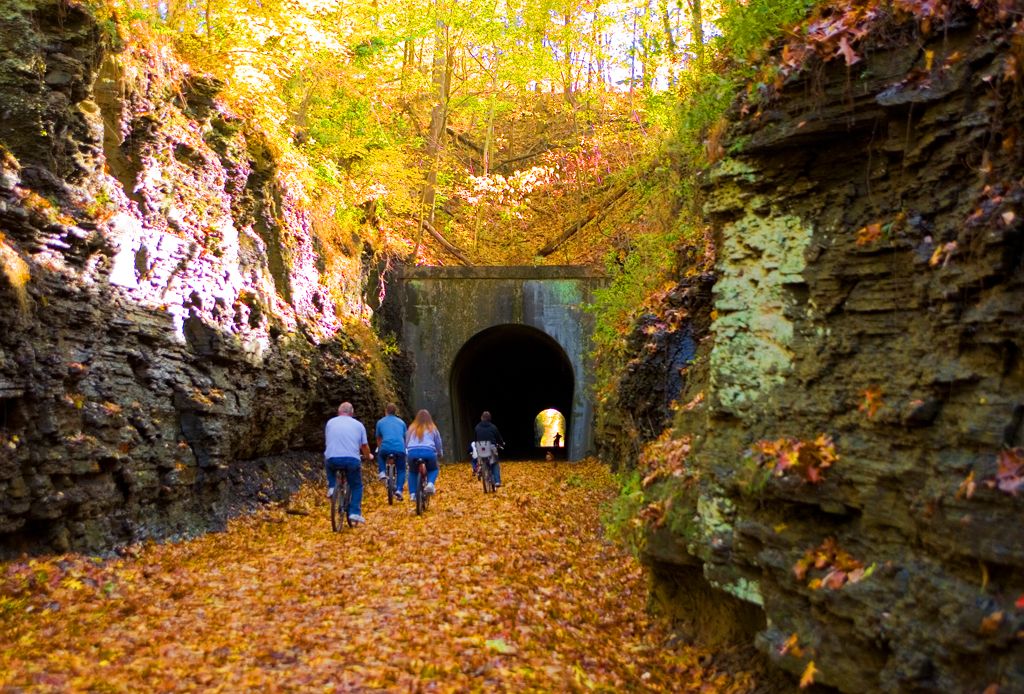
(486,431)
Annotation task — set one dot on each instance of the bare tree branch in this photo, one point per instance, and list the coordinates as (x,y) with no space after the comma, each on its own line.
(445,243)
(595,213)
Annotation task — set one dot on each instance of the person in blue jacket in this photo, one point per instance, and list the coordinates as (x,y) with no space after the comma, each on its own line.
(390,432)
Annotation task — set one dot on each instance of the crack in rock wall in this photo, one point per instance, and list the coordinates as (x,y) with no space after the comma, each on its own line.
(166,329)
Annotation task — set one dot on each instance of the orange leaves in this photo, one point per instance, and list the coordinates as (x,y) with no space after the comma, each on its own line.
(517,591)
(847,52)
(792,647)
(666,457)
(872,401)
(804,458)
(869,234)
(991,623)
(835,567)
(1010,475)
(877,231)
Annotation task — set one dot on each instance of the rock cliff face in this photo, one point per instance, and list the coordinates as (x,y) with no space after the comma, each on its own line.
(869,301)
(164,319)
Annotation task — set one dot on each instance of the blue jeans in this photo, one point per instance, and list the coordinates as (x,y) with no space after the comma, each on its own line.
(429,455)
(496,470)
(399,466)
(354,476)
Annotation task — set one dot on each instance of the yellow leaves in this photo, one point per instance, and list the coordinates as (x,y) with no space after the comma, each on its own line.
(525,596)
(72,584)
(967,487)
(942,254)
(15,270)
(807,679)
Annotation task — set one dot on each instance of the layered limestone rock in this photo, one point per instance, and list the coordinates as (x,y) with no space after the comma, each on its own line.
(164,319)
(870,289)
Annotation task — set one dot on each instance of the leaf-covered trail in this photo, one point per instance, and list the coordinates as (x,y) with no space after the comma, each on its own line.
(514,591)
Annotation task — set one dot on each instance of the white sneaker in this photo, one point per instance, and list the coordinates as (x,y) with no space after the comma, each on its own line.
(330,492)
(382,476)
(412,497)
(398,496)
(497,484)
(356,519)
(428,488)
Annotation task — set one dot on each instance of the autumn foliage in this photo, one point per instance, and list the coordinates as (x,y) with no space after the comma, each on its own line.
(807,459)
(516,591)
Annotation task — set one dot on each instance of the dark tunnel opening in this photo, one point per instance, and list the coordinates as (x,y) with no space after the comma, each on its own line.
(515,372)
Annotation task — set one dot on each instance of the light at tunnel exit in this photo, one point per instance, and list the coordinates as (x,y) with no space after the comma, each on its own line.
(546,426)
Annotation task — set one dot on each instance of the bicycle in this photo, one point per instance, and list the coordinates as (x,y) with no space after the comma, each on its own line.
(422,500)
(391,470)
(340,501)
(486,453)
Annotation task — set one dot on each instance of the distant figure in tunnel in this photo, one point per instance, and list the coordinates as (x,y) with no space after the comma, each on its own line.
(346,444)
(423,441)
(558,439)
(486,431)
(390,432)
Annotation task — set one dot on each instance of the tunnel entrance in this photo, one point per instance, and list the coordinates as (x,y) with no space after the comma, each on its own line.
(514,372)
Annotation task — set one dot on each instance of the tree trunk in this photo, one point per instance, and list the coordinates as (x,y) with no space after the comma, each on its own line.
(489,141)
(697,27)
(438,114)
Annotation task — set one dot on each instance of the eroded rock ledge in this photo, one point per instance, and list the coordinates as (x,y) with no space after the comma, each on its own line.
(869,288)
(166,326)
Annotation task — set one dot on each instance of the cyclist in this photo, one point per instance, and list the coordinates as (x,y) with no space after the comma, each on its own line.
(486,431)
(390,432)
(346,444)
(422,440)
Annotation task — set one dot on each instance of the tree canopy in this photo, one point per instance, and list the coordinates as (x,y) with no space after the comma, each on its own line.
(472,131)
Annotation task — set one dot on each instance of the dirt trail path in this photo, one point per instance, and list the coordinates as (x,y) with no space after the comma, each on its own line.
(510,592)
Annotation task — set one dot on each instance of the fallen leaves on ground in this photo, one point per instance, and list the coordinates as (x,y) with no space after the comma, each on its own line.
(514,591)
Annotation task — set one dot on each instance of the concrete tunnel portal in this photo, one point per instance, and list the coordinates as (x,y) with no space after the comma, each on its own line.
(514,372)
(514,340)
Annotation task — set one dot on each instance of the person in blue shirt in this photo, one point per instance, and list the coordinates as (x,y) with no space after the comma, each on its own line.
(346,444)
(390,432)
(422,440)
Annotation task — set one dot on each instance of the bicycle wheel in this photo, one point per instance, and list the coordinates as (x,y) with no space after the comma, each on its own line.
(421,496)
(487,475)
(390,472)
(337,499)
(347,504)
